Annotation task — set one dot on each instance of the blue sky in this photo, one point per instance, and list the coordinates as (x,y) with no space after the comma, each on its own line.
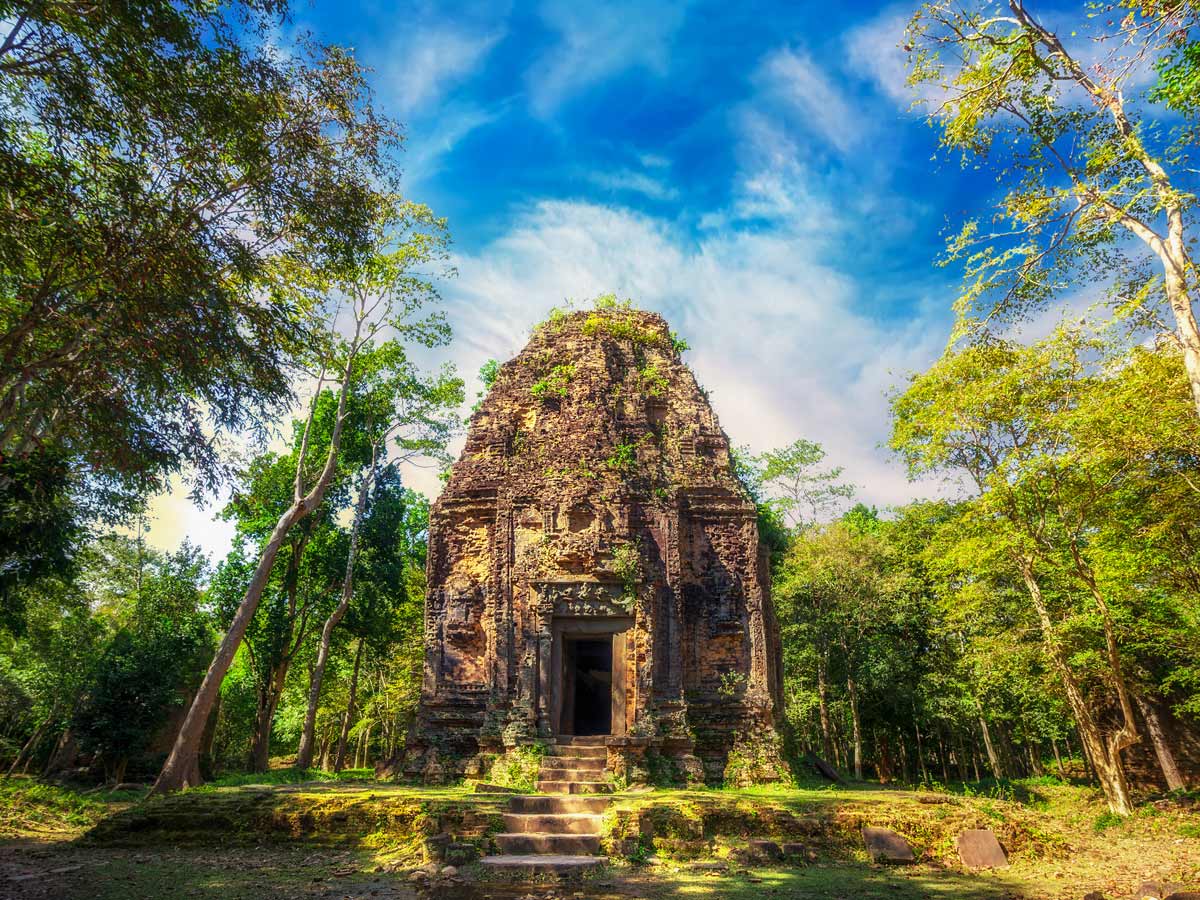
(753,171)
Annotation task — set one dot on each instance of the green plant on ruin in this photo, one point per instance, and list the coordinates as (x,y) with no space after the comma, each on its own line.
(679,344)
(622,327)
(662,493)
(555,383)
(518,768)
(652,381)
(646,725)
(733,684)
(518,442)
(555,318)
(583,470)
(623,458)
(611,301)
(627,566)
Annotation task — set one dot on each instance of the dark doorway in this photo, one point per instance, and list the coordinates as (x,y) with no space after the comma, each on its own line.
(589,666)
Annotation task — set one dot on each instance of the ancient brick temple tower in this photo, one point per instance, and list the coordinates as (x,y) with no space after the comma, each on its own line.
(595,569)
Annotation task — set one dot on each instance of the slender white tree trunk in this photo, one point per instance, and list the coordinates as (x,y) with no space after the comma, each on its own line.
(182,768)
(307,736)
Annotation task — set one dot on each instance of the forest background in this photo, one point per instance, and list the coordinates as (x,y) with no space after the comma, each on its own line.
(211,278)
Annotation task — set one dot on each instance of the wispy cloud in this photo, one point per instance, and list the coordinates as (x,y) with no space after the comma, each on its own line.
(811,98)
(421,65)
(598,40)
(775,332)
(630,181)
(425,156)
(873,48)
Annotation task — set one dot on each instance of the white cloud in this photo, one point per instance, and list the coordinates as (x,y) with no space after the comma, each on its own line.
(430,144)
(598,40)
(423,64)
(627,180)
(874,49)
(775,333)
(816,102)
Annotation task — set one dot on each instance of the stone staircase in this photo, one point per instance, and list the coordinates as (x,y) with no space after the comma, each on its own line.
(558,831)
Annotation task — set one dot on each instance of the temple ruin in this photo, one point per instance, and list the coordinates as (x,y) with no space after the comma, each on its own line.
(595,569)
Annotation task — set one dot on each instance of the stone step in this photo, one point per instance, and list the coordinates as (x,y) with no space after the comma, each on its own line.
(571,775)
(559,805)
(550,786)
(587,740)
(553,823)
(574,763)
(564,844)
(548,864)
(576,751)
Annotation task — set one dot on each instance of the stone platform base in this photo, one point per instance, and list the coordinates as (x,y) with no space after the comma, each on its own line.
(518,867)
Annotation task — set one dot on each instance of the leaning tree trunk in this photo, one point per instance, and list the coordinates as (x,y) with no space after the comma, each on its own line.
(1162,746)
(26,753)
(182,768)
(1105,755)
(340,757)
(305,754)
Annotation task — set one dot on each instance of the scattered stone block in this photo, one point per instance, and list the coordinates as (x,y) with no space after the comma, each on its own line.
(885,846)
(758,852)
(1183,895)
(435,847)
(979,849)
(1094,895)
(449,872)
(459,854)
(793,849)
(1149,890)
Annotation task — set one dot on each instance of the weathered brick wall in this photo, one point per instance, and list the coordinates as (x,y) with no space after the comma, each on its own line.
(595,491)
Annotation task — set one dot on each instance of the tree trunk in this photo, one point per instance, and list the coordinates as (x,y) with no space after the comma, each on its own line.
(920,751)
(64,755)
(1162,747)
(823,707)
(340,757)
(182,768)
(264,718)
(1035,762)
(856,724)
(992,755)
(366,747)
(305,753)
(1106,757)
(25,754)
(1062,772)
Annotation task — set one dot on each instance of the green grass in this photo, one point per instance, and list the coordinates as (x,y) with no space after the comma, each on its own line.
(32,808)
(291,776)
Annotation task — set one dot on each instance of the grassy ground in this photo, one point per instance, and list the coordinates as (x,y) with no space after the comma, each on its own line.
(277,837)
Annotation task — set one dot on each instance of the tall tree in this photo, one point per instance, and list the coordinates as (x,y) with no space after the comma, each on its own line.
(384,290)
(797,487)
(1002,415)
(396,405)
(156,158)
(1097,186)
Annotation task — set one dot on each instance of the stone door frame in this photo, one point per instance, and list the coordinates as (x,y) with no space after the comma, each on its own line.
(564,627)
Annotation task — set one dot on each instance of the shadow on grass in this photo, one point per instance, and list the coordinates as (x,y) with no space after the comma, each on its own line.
(838,881)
